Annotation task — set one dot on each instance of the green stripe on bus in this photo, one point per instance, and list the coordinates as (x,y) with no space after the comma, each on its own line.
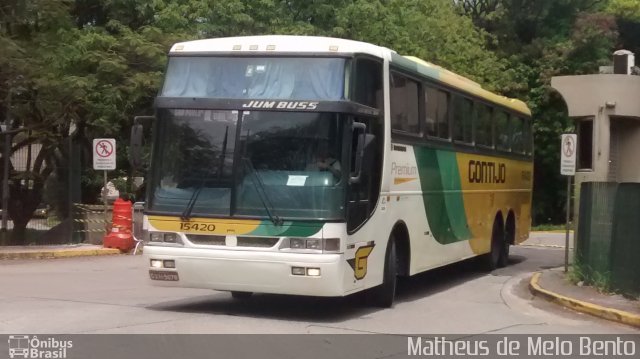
(288,228)
(442,195)
(453,194)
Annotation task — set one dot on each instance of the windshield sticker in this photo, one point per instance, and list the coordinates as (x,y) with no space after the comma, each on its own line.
(260,69)
(249,71)
(296,180)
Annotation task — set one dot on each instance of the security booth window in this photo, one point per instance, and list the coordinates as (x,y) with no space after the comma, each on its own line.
(585,144)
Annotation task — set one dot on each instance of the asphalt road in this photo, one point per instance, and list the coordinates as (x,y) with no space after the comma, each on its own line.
(112,295)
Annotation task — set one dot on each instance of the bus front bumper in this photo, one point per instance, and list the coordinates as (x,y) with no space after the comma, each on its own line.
(248,271)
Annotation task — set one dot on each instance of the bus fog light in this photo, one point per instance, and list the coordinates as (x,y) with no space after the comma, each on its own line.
(313,272)
(170,263)
(297,270)
(313,243)
(156,237)
(296,243)
(332,244)
(156,263)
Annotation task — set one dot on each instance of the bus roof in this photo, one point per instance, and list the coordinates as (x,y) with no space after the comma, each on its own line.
(317,44)
(281,43)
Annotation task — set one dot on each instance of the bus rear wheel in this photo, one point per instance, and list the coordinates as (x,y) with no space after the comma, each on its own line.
(499,254)
(383,295)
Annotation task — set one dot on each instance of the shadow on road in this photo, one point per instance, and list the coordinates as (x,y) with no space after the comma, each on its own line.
(328,310)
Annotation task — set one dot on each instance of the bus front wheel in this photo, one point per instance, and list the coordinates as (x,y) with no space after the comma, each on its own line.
(383,295)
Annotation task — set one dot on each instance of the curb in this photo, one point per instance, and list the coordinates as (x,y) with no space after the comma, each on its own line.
(65,253)
(615,315)
(544,246)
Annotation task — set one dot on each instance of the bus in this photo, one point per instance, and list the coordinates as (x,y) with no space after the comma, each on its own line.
(324,167)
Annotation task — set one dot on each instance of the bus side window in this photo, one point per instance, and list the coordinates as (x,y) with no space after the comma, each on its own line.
(517,134)
(436,112)
(462,119)
(484,125)
(502,131)
(528,137)
(404,104)
(367,87)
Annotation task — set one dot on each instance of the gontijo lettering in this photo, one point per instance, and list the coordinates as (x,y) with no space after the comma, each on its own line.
(487,172)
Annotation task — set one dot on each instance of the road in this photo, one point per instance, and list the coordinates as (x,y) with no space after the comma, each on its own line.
(112,295)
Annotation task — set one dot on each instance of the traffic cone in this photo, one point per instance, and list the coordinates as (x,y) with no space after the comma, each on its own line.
(121,226)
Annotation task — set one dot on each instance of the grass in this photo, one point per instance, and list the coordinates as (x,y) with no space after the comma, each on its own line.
(582,273)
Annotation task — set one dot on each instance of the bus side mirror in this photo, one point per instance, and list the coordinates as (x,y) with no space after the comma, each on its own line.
(135,145)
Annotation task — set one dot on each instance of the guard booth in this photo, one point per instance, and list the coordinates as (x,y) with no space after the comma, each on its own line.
(606,111)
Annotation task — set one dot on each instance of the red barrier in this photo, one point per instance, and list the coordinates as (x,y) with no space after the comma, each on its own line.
(120,236)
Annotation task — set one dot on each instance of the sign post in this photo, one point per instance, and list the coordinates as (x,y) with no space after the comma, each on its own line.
(104,158)
(568,168)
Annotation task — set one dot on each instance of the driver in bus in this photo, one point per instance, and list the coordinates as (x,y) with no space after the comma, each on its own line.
(324,161)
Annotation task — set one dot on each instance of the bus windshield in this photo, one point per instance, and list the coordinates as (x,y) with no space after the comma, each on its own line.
(256,78)
(241,163)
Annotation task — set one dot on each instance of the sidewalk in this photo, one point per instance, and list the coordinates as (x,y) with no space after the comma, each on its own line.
(548,239)
(552,285)
(54,251)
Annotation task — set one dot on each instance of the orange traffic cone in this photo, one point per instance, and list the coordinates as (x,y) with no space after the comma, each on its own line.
(120,236)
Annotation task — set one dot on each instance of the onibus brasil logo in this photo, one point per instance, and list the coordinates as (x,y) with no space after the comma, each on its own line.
(32,347)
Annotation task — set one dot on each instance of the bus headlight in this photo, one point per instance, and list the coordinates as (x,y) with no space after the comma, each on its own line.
(170,237)
(314,243)
(326,245)
(165,237)
(156,237)
(297,243)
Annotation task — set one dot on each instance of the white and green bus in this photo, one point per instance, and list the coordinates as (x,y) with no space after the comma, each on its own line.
(324,167)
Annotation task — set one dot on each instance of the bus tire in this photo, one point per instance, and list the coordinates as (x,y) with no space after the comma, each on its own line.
(241,295)
(492,260)
(503,261)
(383,295)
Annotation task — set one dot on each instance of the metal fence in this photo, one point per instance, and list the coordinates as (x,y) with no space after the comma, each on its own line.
(59,217)
(608,237)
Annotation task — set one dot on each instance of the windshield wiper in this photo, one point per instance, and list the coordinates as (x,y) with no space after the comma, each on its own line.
(264,198)
(196,193)
(192,202)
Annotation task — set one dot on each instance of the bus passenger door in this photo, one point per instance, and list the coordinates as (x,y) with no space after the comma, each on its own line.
(359,200)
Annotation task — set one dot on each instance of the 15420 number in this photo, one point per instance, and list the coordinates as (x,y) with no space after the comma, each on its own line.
(198,227)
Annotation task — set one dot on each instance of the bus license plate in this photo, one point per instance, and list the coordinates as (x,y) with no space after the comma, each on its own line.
(158,275)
